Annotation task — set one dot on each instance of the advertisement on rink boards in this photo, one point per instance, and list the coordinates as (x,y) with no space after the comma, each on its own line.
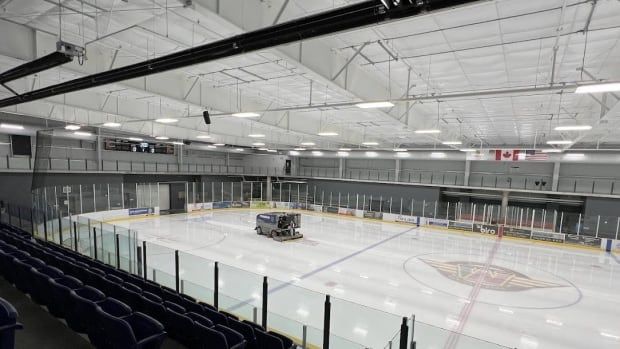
(610,245)
(221,204)
(582,240)
(346,211)
(547,236)
(260,204)
(373,215)
(330,209)
(392,217)
(141,211)
(315,208)
(438,222)
(486,229)
(517,232)
(460,225)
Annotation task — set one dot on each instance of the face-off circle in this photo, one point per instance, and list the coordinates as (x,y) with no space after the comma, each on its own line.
(502,282)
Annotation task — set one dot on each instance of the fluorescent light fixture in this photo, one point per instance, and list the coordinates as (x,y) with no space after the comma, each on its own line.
(468,150)
(317,153)
(299,149)
(293,152)
(431,131)
(327,134)
(438,155)
(135,139)
(402,155)
(203,136)
(371,154)
(162,138)
(554,322)
(72,127)
(211,146)
(246,115)
(575,155)
(371,105)
(360,331)
(239,149)
(272,150)
(219,144)
(112,124)
(559,142)
(263,149)
(345,149)
(342,153)
(166,121)
(307,143)
(597,88)
(452,143)
(177,143)
(258,144)
(609,335)
(506,311)
(573,128)
(12,126)
(78,133)
(399,149)
(370,143)
(256,135)
(552,150)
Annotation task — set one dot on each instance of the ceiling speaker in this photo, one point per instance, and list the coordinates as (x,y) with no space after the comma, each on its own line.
(205,115)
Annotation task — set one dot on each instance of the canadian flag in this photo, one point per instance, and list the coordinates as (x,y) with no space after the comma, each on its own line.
(507,154)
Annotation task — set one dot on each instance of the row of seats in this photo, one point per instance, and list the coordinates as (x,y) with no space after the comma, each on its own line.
(8,324)
(117,309)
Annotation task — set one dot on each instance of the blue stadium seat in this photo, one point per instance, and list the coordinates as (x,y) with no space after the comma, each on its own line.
(111,306)
(134,331)
(40,283)
(153,306)
(8,324)
(234,339)
(79,305)
(60,289)
(215,316)
(180,327)
(197,318)
(246,330)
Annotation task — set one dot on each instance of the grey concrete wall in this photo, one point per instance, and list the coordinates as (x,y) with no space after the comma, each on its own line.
(396,191)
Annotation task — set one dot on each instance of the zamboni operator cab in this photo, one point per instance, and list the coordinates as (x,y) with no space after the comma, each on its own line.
(280,226)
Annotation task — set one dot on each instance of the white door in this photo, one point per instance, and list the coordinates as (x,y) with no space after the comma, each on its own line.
(164,196)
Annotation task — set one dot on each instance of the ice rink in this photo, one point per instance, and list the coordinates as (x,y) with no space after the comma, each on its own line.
(515,293)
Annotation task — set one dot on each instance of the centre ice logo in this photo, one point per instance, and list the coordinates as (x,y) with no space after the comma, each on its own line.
(490,277)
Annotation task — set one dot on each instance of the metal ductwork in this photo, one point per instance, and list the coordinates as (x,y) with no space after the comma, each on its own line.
(344,18)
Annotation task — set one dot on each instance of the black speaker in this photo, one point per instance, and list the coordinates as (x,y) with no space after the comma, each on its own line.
(287,167)
(205,115)
(187,142)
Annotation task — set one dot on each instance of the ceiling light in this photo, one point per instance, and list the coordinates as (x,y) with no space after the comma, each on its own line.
(468,150)
(327,134)
(78,133)
(111,124)
(370,143)
(371,105)
(162,138)
(399,149)
(438,155)
(72,127)
(300,149)
(343,153)
(178,143)
(293,152)
(263,149)
(219,144)
(574,128)
(575,155)
(258,144)
(452,143)
(608,87)
(402,155)
(166,121)
(246,115)
(239,149)
(135,139)
(609,335)
(427,131)
(371,154)
(272,150)
(559,142)
(211,146)
(552,150)
(317,153)
(307,143)
(256,135)
(345,149)
(12,126)
(203,136)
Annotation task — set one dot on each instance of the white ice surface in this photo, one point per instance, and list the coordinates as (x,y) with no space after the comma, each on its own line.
(379,265)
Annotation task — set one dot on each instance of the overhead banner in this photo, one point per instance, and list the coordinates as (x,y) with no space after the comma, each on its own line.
(506,155)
